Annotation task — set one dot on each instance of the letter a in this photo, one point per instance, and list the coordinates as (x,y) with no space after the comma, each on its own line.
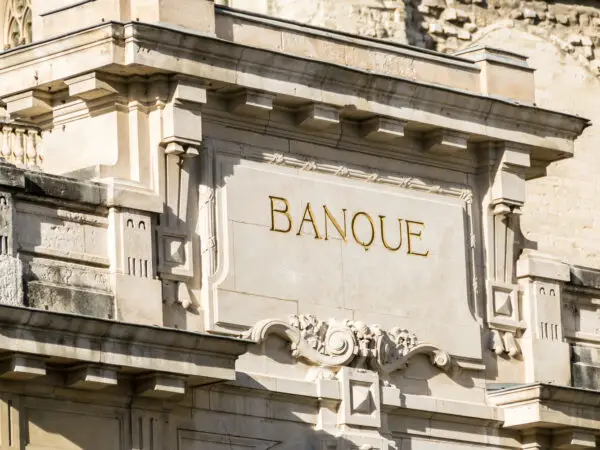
(311,218)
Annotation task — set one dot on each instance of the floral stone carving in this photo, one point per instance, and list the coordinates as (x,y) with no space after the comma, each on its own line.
(334,344)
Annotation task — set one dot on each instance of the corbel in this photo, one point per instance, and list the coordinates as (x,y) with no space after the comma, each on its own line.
(181,143)
(382,129)
(18,366)
(91,86)
(29,103)
(158,385)
(573,439)
(507,198)
(251,103)
(318,116)
(91,377)
(445,142)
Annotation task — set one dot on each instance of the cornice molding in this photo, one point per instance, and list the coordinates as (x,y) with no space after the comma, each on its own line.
(160,47)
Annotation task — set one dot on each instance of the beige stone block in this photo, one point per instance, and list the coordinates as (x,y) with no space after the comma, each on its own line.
(251,103)
(28,104)
(228,311)
(160,386)
(72,429)
(533,264)
(76,15)
(255,35)
(22,367)
(138,300)
(90,377)
(90,86)
(388,63)
(382,129)
(546,361)
(458,77)
(503,73)
(64,153)
(283,278)
(198,15)
(313,47)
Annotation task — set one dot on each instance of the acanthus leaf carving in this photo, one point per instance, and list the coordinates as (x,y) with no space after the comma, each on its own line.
(333,344)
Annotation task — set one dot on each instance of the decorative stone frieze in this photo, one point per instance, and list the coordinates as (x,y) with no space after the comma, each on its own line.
(334,344)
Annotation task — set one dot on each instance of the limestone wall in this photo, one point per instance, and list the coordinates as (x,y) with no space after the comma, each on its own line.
(560,40)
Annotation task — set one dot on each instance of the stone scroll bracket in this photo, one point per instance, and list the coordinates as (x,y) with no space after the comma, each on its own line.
(180,145)
(332,345)
(506,198)
(350,362)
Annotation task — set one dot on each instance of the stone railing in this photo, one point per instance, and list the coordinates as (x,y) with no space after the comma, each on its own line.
(21,145)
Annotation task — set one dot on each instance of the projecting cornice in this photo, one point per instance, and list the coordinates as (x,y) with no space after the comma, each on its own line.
(93,353)
(143,49)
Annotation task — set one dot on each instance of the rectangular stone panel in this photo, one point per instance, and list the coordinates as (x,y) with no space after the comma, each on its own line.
(49,428)
(293,241)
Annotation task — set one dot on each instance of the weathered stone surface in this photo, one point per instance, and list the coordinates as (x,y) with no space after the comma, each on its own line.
(248,169)
(68,299)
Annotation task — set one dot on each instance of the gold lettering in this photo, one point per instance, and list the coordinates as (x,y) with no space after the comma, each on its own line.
(385,244)
(418,234)
(335,223)
(311,218)
(280,211)
(365,244)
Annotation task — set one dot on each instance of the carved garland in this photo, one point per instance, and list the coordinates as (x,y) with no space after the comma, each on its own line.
(17,23)
(333,344)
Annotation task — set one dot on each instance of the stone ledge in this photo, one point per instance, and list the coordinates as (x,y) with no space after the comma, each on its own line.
(58,337)
(585,277)
(53,186)
(548,133)
(548,406)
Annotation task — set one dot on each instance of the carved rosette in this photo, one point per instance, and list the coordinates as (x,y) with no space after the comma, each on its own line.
(333,344)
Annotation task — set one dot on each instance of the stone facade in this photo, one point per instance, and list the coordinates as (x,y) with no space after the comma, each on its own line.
(559,40)
(224,230)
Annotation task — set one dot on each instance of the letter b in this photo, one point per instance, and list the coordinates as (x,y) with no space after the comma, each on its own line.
(284,212)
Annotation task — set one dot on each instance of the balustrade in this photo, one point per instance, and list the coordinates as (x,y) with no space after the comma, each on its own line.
(21,145)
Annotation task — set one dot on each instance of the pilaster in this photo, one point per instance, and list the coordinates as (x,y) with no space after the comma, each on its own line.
(507,196)
(180,145)
(545,352)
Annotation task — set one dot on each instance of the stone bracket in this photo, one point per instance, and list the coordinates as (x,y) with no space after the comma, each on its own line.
(91,377)
(318,116)
(333,344)
(445,142)
(251,103)
(158,385)
(19,366)
(573,440)
(29,103)
(90,86)
(382,129)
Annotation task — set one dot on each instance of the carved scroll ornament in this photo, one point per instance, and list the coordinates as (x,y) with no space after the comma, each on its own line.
(348,343)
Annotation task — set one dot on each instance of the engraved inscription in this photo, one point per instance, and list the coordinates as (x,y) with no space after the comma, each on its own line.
(365,229)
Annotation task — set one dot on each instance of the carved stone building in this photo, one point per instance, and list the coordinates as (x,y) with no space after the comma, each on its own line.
(224,230)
